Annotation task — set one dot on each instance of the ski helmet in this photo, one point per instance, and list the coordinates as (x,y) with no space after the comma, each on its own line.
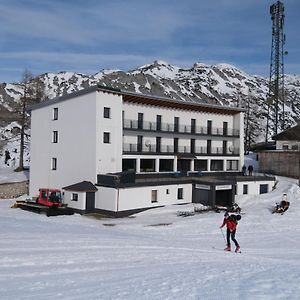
(238,217)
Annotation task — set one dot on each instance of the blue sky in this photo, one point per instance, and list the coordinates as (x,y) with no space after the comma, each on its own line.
(86,36)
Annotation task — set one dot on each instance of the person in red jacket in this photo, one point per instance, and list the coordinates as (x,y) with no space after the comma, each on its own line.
(231,222)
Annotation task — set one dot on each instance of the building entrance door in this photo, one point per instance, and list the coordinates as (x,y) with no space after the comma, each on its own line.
(90,202)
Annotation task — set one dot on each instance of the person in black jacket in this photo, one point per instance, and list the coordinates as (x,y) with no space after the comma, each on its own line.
(250,170)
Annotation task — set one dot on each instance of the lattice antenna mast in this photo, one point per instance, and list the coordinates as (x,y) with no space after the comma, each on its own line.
(276,83)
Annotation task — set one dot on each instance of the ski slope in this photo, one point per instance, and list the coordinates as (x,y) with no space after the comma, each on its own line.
(153,255)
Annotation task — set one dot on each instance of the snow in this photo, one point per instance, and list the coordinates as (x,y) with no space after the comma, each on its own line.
(8,175)
(154,254)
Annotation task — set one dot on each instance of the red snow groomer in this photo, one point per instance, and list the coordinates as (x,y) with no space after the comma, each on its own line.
(49,197)
(49,202)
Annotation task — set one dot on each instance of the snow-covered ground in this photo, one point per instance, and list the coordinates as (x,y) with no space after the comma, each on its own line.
(153,255)
(8,175)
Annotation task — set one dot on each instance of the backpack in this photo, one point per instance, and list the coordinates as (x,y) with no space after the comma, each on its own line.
(235,218)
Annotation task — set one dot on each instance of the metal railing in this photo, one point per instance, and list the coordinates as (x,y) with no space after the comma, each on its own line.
(152,148)
(168,127)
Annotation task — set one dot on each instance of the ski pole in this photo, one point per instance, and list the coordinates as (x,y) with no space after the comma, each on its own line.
(223,235)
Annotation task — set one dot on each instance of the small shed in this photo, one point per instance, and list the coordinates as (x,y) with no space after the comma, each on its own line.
(81,196)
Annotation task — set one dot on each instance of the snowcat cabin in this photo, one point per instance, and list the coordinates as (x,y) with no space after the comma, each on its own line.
(49,197)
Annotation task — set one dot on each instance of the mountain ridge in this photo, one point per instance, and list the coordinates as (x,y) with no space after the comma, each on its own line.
(221,84)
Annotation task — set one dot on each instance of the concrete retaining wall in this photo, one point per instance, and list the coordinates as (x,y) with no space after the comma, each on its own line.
(13,190)
(283,163)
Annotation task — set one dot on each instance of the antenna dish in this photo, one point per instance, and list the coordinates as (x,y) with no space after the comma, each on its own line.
(231,148)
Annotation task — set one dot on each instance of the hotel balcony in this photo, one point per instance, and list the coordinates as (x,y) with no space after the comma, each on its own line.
(172,128)
(169,149)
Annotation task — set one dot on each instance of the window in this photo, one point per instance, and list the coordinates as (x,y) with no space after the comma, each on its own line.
(208,145)
(158,144)
(175,145)
(180,193)
(106,112)
(158,122)
(139,143)
(55,136)
(74,197)
(54,163)
(147,165)
(153,196)
(225,128)
(192,145)
(263,188)
(128,164)
(224,147)
(55,113)
(245,189)
(285,147)
(200,165)
(209,127)
(167,191)
(106,137)
(216,165)
(140,120)
(193,125)
(232,165)
(165,165)
(176,124)
(295,147)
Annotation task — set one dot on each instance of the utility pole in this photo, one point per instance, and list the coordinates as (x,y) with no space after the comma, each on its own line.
(276,80)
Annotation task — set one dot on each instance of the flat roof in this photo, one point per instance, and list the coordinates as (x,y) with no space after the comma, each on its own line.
(131,97)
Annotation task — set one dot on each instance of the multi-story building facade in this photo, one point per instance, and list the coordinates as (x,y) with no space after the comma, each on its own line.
(101,131)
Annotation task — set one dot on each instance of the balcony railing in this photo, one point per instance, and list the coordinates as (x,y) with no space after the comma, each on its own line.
(153,149)
(171,128)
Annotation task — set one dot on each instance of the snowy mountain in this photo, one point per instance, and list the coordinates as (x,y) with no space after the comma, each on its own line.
(218,84)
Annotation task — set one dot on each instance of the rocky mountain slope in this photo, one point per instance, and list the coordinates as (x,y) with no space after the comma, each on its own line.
(218,84)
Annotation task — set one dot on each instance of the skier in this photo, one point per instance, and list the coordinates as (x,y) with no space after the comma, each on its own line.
(231,222)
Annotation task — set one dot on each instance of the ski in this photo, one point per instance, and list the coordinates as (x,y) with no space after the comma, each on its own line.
(220,249)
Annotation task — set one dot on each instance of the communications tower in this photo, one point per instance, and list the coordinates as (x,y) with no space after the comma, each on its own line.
(276,81)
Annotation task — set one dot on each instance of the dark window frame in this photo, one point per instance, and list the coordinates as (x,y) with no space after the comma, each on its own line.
(55,113)
(54,163)
(74,197)
(106,112)
(179,193)
(55,136)
(106,137)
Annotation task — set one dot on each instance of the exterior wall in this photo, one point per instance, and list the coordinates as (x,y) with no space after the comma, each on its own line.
(76,148)
(239,143)
(253,187)
(80,204)
(140,197)
(106,198)
(283,163)
(167,138)
(287,145)
(108,156)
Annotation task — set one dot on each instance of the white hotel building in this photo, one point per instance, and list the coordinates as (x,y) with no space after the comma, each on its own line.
(119,152)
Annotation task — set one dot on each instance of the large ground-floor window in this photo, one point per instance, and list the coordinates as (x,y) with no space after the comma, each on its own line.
(147,165)
(128,164)
(200,165)
(166,165)
(232,165)
(216,165)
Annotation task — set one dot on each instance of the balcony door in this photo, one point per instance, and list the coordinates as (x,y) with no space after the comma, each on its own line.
(140,120)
